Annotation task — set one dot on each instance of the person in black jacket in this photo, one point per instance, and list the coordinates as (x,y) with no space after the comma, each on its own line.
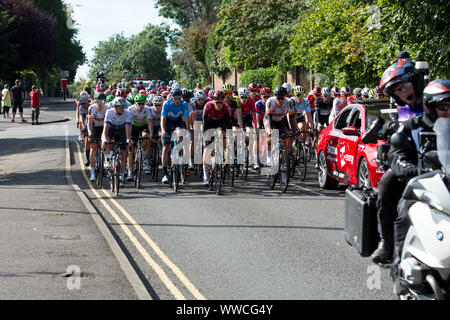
(436,98)
(401,82)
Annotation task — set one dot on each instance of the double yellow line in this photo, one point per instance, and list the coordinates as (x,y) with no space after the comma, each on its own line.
(145,254)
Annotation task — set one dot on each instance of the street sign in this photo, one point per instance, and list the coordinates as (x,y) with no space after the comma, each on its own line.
(64,74)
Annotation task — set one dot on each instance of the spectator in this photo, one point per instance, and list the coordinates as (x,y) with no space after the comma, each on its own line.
(6,101)
(18,95)
(23,85)
(35,104)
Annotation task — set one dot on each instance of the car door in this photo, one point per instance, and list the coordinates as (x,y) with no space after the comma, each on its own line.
(348,148)
(333,139)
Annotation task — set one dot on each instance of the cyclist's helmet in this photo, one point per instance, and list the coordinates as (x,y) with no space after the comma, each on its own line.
(326,92)
(346,92)
(121,93)
(379,90)
(372,93)
(211,93)
(119,102)
(103,86)
(266,91)
(162,84)
(143,92)
(227,89)
(244,92)
(253,87)
(100,96)
(158,100)
(140,98)
(280,92)
(176,91)
(130,98)
(399,72)
(335,91)
(200,95)
(165,94)
(357,92)
(218,95)
(435,92)
(299,90)
(317,91)
(365,92)
(109,98)
(207,89)
(260,86)
(287,86)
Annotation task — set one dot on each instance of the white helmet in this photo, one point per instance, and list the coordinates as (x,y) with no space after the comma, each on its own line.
(365,92)
(326,92)
(243,92)
(200,94)
(119,102)
(287,86)
(158,100)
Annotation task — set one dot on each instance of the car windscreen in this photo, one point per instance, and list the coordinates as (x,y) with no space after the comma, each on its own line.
(376,108)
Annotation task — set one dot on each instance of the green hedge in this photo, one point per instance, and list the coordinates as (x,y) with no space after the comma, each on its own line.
(261,75)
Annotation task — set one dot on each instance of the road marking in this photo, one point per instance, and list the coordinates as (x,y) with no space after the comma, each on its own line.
(158,270)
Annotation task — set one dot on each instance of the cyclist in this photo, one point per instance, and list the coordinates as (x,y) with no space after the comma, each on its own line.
(335,93)
(278,116)
(96,120)
(260,107)
(233,102)
(365,93)
(82,111)
(339,103)
(380,93)
(196,107)
(300,105)
(323,107)
(156,109)
(288,88)
(118,128)
(254,91)
(216,114)
(246,116)
(141,122)
(175,114)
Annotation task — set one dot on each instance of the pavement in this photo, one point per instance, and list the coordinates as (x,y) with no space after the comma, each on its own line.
(51,246)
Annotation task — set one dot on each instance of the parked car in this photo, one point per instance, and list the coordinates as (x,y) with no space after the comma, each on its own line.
(341,155)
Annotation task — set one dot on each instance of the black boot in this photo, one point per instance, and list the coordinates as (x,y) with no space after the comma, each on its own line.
(384,252)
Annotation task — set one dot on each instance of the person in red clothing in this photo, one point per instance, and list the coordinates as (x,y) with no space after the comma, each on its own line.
(254,91)
(216,115)
(35,94)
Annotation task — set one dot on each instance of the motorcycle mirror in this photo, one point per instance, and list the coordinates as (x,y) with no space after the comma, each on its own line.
(399,140)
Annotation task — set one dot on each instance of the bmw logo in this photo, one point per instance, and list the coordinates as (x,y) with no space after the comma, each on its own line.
(440,235)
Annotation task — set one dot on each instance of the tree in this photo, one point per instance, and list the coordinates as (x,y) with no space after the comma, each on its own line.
(7,50)
(251,34)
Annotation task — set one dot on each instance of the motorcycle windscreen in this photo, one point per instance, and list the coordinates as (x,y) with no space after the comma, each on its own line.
(442,129)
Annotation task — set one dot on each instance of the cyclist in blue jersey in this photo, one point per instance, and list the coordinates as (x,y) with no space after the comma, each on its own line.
(174,114)
(302,111)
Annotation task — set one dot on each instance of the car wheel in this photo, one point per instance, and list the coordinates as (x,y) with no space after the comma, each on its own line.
(363,174)
(325,181)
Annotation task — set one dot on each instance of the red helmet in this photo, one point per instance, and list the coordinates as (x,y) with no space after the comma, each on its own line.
(165,94)
(121,93)
(317,91)
(253,87)
(218,95)
(399,72)
(143,92)
(265,91)
(207,89)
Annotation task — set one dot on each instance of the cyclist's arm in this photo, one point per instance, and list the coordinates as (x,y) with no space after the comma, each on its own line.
(105,131)
(309,120)
(239,117)
(90,126)
(163,125)
(150,126)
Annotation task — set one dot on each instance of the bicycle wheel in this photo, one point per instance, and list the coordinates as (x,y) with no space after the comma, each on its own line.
(218,178)
(138,173)
(302,163)
(117,175)
(99,169)
(285,173)
(274,178)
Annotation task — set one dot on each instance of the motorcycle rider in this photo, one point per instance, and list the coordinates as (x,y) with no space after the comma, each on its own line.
(401,82)
(436,98)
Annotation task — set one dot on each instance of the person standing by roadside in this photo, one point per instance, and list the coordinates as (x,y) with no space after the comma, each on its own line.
(35,104)
(18,95)
(6,101)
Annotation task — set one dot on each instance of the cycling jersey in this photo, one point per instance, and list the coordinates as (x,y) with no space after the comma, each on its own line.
(260,110)
(97,116)
(300,108)
(173,112)
(140,119)
(156,117)
(249,107)
(278,113)
(213,118)
(83,108)
(117,121)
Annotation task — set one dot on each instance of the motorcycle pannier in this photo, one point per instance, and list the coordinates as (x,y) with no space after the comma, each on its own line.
(361,220)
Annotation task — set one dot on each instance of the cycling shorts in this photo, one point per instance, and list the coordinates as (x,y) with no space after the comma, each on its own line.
(120,136)
(170,127)
(136,131)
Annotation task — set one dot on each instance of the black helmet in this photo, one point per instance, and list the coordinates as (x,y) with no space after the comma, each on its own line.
(399,72)
(436,91)
(100,96)
(280,92)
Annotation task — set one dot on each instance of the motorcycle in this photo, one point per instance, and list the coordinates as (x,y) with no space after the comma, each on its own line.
(423,269)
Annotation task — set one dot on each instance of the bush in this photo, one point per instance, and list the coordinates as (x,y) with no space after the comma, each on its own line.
(261,75)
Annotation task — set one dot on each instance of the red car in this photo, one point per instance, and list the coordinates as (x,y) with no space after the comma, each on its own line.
(341,155)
